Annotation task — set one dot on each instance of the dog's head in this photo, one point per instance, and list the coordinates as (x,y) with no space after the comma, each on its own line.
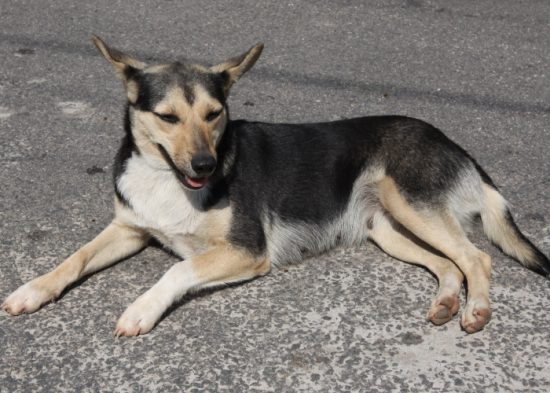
(178,111)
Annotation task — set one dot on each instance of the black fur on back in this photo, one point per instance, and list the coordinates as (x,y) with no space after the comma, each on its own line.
(305,172)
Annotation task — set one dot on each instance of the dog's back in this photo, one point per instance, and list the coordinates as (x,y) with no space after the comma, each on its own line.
(307,187)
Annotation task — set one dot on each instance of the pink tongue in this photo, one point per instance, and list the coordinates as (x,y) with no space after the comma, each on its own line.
(196,183)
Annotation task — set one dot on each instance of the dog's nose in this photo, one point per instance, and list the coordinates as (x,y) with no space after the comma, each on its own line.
(203,164)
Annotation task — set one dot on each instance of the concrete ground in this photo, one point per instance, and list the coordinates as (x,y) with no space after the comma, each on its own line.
(348,321)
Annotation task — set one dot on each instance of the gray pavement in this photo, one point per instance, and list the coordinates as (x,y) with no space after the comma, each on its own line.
(351,320)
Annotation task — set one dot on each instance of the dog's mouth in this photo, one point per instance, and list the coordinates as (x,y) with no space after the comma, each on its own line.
(194,183)
(191,183)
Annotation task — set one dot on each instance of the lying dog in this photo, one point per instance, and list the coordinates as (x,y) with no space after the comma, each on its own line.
(236,197)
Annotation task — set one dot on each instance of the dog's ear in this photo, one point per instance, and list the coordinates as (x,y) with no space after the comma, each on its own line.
(236,66)
(118,59)
(125,66)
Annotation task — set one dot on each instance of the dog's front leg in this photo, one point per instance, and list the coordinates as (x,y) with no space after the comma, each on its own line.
(221,265)
(114,243)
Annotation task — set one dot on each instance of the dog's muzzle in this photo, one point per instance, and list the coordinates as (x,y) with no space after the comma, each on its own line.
(202,164)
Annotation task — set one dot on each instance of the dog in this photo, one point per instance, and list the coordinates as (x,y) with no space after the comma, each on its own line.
(235,198)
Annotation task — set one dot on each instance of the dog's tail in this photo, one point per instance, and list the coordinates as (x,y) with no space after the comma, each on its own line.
(503,231)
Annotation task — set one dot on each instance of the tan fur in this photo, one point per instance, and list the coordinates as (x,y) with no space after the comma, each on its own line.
(199,68)
(132,91)
(498,229)
(443,232)
(157,69)
(226,264)
(115,242)
(191,135)
(390,237)
(216,226)
(204,103)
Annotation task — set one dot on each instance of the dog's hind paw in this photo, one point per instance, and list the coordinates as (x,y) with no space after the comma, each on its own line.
(475,316)
(27,299)
(443,309)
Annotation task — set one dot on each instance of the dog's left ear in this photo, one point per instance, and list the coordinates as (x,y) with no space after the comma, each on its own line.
(236,66)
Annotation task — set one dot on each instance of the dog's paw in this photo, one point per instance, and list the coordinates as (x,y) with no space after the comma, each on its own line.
(139,318)
(475,316)
(443,309)
(27,298)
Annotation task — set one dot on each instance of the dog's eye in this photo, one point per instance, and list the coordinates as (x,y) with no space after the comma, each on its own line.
(213,115)
(172,119)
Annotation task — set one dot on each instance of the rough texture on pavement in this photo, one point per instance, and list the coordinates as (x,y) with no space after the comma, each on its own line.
(351,320)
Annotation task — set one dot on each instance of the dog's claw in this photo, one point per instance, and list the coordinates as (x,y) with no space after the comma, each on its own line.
(13,310)
(121,332)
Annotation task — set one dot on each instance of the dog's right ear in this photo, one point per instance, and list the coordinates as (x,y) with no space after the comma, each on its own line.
(125,66)
(118,59)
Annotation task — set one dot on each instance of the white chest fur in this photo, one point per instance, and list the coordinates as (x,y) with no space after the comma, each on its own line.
(161,206)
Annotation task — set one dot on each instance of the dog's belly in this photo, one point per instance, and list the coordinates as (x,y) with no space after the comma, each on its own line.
(289,242)
(292,240)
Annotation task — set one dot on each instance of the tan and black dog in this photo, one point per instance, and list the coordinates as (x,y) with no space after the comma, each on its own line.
(234,197)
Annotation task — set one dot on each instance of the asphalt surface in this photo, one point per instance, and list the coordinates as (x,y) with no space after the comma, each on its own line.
(350,320)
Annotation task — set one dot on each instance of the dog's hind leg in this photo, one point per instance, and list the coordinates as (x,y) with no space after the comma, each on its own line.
(219,266)
(401,244)
(114,243)
(440,229)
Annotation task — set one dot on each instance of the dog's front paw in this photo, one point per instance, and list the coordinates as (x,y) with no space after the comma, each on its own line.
(28,298)
(139,318)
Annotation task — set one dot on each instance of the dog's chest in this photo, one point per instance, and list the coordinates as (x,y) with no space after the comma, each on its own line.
(162,207)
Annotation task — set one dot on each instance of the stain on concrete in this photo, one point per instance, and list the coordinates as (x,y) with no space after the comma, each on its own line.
(410,338)
(94,170)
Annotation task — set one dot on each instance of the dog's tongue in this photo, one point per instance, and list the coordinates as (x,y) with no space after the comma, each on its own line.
(198,182)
